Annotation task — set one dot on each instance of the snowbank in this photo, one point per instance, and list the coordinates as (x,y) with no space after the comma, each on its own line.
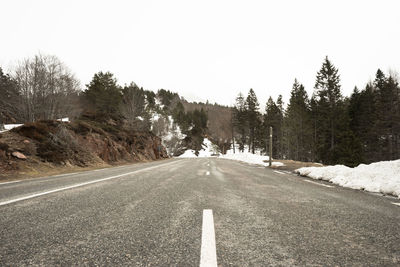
(383,177)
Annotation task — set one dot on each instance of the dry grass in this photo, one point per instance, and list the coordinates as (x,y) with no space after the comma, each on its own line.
(291,165)
(29,170)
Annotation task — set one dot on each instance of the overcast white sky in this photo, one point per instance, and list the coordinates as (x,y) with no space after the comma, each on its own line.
(207,49)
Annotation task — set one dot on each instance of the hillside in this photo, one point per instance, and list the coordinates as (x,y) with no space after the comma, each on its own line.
(44,146)
(219,127)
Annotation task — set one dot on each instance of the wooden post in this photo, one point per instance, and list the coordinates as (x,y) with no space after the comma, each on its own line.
(270,146)
(233,133)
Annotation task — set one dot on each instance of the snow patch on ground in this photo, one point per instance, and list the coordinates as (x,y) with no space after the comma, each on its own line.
(256,158)
(188,154)
(382,177)
(8,127)
(247,157)
(63,119)
(277,164)
(210,149)
(207,151)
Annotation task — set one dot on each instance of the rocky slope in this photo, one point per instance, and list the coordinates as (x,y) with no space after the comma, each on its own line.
(34,148)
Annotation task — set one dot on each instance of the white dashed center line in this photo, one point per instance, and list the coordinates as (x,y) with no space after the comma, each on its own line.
(279,172)
(395,203)
(308,181)
(207,173)
(208,256)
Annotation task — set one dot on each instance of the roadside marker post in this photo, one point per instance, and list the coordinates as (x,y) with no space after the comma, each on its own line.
(270,146)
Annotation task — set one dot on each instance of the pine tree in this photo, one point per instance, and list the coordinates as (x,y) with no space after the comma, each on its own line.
(103,94)
(333,133)
(253,117)
(362,113)
(299,124)
(327,89)
(240,122)
(9,100)
(387,119)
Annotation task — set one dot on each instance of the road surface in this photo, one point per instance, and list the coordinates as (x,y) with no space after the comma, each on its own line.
(158,213)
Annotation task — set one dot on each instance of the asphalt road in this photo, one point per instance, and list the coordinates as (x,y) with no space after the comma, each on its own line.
(151,215)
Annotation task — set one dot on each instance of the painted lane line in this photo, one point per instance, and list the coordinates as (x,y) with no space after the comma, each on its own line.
(207,173)
(79,185)
(208,256)
(308,181)
(279,172)
(11,182)
(395,203)
(65,174)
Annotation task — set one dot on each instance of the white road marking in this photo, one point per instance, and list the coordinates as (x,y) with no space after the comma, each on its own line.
(395,203)
(11,182)
(105,169)
(317,183)
(279,172)
(65,174)
(207,173)
(208,256)
(79,185)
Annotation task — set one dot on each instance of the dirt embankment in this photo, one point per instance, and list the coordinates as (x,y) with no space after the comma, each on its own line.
(50,147)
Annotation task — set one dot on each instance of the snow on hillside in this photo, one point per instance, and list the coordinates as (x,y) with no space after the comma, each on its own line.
(169,132)
(7,127)
(383,177)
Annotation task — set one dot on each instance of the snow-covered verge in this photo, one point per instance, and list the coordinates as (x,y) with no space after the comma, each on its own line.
(383,177)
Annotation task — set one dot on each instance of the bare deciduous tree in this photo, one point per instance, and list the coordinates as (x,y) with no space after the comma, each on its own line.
(133,104)
(47,88)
